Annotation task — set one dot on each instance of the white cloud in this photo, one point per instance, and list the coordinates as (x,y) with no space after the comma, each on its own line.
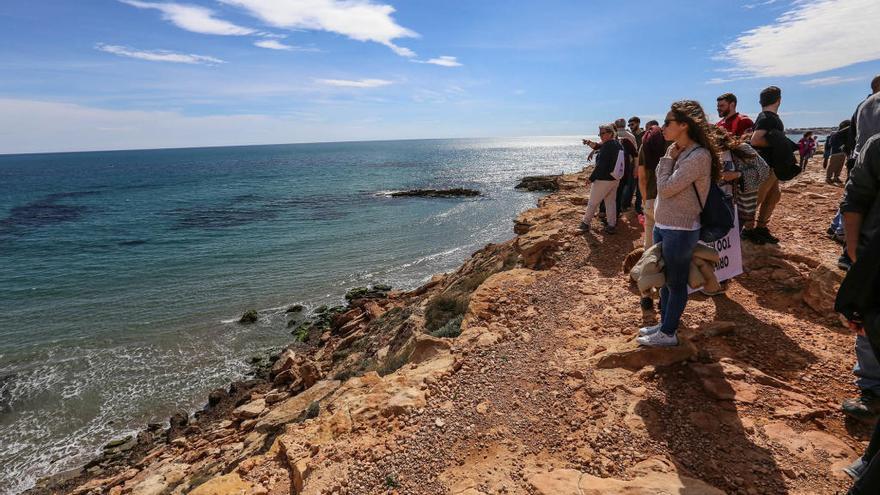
(831,81)
(158,55)
(359,83)
(813,36)
(718,80)
(443,61)
(274,44)
(360,20)
(192,18)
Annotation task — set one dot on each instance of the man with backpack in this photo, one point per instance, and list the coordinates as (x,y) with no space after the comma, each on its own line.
(859,296)
(864,125)
(769,140)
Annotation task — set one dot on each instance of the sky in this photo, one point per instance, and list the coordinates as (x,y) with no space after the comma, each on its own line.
(134,74)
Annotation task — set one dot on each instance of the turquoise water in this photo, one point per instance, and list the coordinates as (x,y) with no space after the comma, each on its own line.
(121,272)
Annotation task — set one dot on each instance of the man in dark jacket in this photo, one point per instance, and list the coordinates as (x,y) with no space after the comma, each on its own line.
(859,296)
(867,368)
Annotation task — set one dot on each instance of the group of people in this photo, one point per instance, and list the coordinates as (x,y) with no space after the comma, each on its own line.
(669,170)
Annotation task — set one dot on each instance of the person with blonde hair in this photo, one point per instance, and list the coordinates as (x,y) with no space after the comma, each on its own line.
(603,186)
(684,176)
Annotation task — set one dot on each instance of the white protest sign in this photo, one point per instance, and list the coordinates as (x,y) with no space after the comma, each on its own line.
(729,250)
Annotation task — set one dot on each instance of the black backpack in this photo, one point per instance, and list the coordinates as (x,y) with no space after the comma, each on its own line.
(716,217)
(782,158)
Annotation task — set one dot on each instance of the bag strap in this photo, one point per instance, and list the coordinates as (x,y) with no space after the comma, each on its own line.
(698,195)
(693,184)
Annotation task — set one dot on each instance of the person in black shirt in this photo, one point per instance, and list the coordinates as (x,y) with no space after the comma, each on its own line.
(769,193)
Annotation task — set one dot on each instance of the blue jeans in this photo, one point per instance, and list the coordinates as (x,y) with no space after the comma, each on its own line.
(625,193)
(837,223)
(867,368)
(678,249)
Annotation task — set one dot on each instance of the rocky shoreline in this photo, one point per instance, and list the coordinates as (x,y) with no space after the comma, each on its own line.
(280,375)
(517,374)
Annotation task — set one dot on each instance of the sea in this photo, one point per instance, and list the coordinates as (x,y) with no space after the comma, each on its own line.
(123,273)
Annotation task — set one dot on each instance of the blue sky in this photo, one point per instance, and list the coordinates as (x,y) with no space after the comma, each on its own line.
(117,74)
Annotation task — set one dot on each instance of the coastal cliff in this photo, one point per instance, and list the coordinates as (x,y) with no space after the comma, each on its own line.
(518,373)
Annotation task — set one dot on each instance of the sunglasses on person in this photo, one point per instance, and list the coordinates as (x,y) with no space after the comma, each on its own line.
(667,121)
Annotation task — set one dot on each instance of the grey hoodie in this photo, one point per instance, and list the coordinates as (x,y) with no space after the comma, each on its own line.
(868,122)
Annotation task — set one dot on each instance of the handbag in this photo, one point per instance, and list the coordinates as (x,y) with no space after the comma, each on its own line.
(620,166)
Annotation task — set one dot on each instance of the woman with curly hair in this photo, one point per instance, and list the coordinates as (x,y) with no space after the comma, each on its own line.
(744,170)
(684,174)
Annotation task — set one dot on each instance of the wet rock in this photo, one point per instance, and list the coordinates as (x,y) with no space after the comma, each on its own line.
(250,316)
(436,193)
(117,442)
(374,292)
(179,420)
(539,183)
(216,396)
(296,308)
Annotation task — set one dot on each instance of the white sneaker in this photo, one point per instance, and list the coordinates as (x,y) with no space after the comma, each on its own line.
(648,330)
(658,339)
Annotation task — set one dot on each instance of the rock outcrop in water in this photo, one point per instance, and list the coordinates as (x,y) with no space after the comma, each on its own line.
(249,316)
(436,193)
(543,391)
(539,183)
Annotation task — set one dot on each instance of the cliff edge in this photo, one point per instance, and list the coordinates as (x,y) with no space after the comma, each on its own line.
(518,374)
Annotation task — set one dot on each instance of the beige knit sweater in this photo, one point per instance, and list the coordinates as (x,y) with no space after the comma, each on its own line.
(678,206)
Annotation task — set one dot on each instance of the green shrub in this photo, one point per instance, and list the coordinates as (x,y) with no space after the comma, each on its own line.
(443,308)
(301,333)
(392,364)
(471,282)
(451,329)
(391,481)
(313,410)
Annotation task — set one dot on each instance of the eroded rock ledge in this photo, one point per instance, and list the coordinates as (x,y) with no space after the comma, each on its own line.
(517,374)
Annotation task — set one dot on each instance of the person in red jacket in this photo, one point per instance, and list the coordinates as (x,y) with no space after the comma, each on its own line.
(736,123)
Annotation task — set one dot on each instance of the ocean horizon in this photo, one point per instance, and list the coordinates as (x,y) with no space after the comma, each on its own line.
(124,272)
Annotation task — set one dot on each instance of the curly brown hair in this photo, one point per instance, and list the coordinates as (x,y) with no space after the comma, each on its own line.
(728,142)
(690,112)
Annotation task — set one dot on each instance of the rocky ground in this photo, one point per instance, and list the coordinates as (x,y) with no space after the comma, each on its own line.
(518,374)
